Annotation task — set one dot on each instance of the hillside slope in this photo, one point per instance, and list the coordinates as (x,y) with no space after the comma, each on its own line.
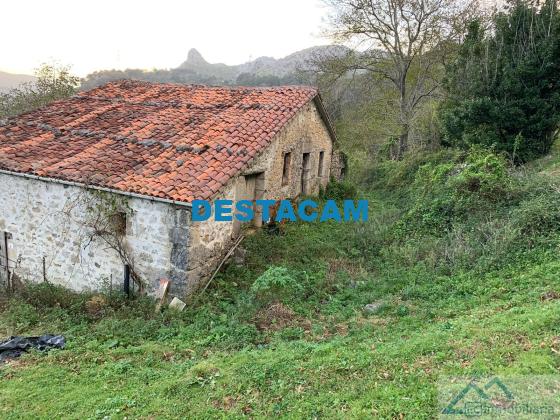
(11,80)
(462,278)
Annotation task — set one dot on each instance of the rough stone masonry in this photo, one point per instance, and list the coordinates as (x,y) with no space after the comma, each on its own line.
(46,221)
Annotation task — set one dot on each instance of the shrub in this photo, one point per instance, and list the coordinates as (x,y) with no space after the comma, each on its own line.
(46,295)
(481,173)
(340,190)
(275,284)
(96,307)
(19,316)
(484,173)
(202,374)
(399,175)
(538,215)
(443,193)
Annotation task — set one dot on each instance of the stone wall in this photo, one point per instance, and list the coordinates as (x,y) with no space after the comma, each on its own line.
(45,221)
(305,133)
(161,239)
(338,165)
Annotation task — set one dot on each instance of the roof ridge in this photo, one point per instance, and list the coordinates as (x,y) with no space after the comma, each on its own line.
(135,82)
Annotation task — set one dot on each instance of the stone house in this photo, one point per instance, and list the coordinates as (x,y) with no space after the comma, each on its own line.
(101,183)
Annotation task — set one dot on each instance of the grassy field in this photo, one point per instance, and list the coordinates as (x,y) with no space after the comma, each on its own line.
(464,274)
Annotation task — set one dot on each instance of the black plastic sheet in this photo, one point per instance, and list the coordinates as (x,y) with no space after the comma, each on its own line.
(14,346)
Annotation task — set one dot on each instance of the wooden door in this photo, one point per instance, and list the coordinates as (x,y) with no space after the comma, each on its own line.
(254,190)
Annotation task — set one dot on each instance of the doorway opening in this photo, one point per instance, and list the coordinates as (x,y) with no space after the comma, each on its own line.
(254,190)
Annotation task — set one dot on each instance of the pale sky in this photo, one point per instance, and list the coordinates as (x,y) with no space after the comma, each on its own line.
(103,34)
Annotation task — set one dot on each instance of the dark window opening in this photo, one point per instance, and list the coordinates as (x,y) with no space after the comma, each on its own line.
(342,172)
(286,168)
(321,158)
(118,223)
(304,173)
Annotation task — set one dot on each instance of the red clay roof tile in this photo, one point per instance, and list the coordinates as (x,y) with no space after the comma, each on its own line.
(171,141)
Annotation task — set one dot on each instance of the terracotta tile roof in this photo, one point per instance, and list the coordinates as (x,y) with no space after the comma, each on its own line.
(175,142)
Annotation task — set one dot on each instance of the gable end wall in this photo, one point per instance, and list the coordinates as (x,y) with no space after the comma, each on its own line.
(306,132)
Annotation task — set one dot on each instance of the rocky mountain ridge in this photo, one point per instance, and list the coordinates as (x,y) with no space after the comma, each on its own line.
(263,71)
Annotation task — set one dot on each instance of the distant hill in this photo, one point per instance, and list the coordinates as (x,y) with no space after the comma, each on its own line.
(10,80)
(262,66)
(263,71)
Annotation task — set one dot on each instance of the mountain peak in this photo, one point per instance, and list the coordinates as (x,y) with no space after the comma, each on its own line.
(194,57)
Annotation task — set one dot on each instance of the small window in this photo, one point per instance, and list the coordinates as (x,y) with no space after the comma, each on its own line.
(321,158)
(118,222)
(286,168)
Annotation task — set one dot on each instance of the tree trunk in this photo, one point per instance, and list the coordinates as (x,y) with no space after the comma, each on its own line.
(402,146)
(403,136)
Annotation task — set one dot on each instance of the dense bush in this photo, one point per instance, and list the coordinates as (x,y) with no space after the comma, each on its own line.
(484,173)
(339,190)
(538,215)
(399,175)
(445,192)
(46,295)
(53,83)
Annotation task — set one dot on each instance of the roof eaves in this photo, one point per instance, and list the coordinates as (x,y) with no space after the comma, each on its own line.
(325,116)
(95,187)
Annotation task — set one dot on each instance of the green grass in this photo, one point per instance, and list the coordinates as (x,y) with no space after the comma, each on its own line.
(450,307)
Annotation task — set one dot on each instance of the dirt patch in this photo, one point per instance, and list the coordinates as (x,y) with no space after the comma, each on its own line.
(227,403)
(97,306)
(554,345)
(277,317)
(466,353)
(550,295)
(16,364)
(424,363)
(376,321)
(342,329)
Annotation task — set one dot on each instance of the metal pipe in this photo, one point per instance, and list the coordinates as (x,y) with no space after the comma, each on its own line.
(8,285)
(126,285)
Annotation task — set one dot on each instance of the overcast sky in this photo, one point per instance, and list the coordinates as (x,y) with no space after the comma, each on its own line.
(102,34)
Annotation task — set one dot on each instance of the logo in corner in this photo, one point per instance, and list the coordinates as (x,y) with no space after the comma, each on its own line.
(494,392)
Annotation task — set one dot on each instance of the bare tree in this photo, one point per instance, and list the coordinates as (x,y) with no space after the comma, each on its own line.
(403,42)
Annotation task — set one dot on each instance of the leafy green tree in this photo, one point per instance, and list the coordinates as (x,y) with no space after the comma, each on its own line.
(504,86)
(53,83)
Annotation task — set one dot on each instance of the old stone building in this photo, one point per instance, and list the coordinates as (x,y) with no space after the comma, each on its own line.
(105,179)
